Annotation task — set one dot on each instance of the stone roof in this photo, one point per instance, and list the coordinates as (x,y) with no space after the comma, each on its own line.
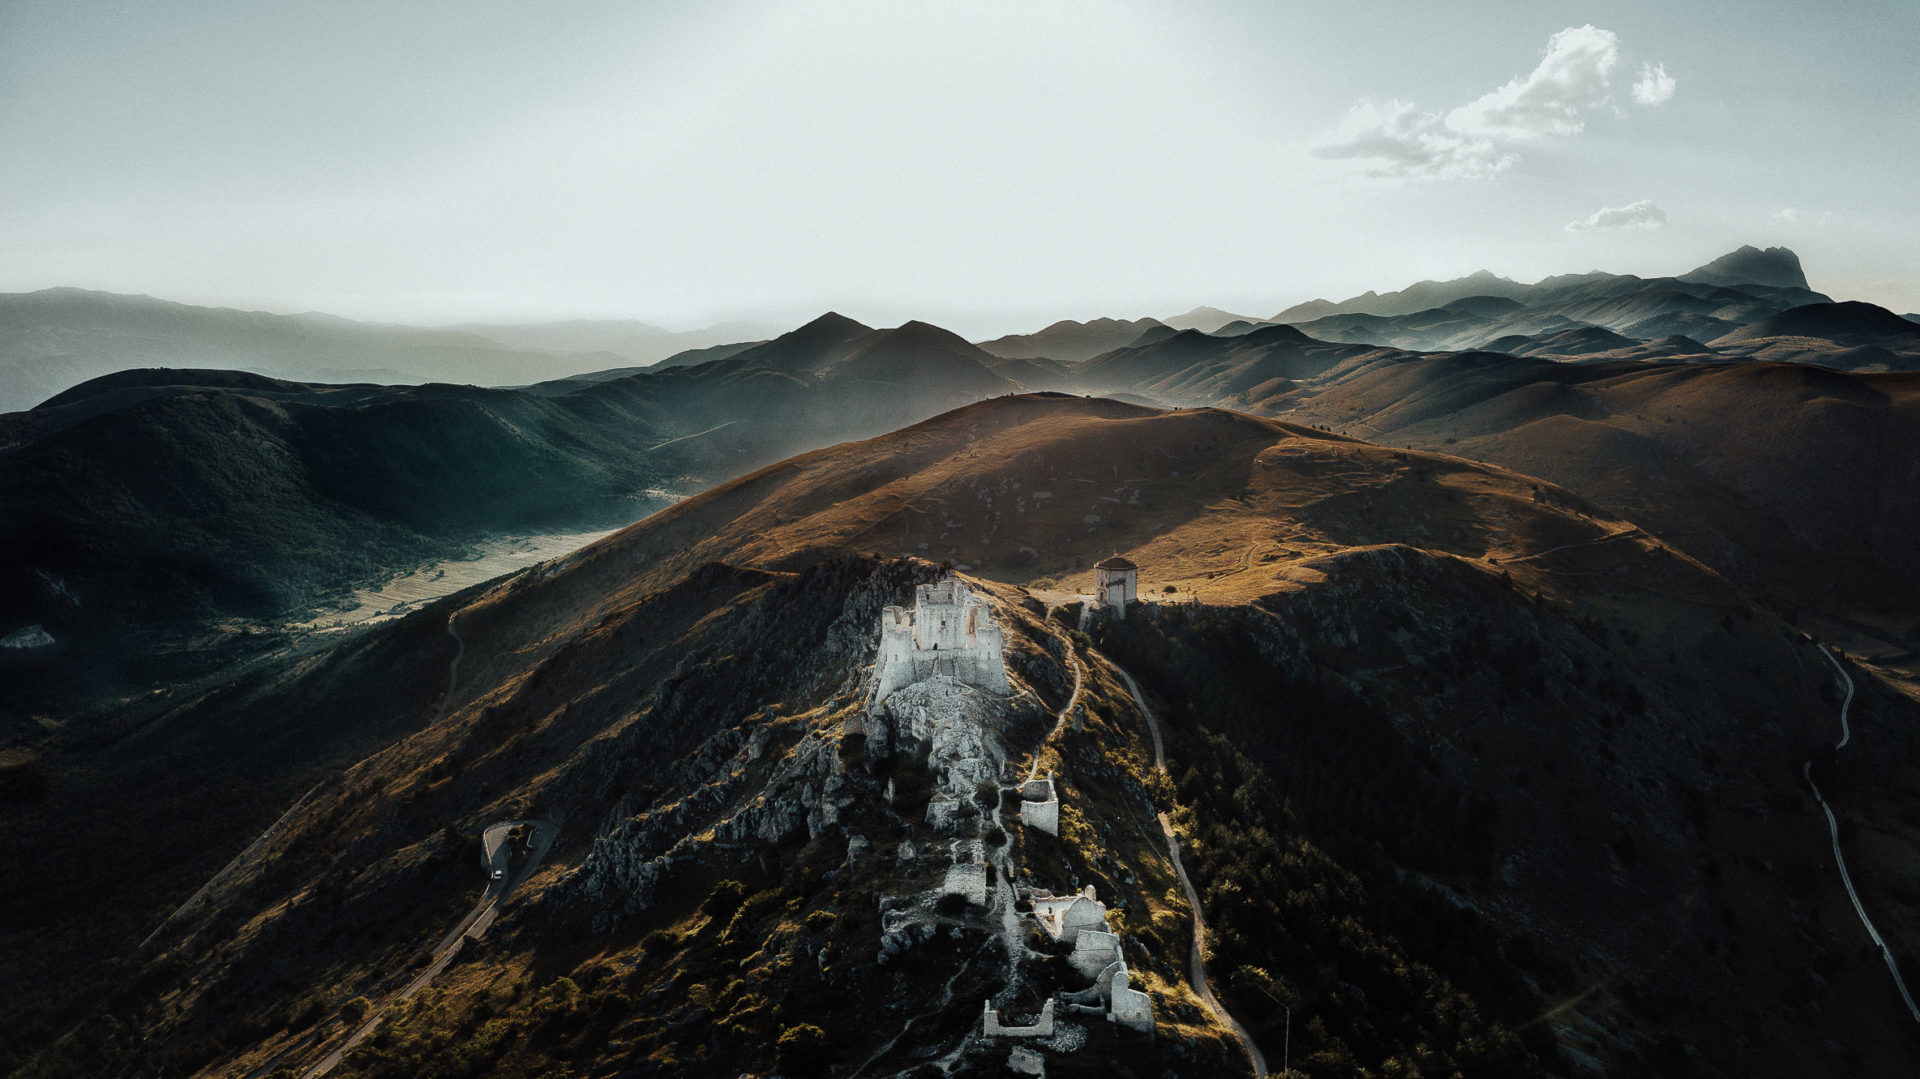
(1116,562)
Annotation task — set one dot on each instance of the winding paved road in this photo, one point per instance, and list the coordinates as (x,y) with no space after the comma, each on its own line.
(1197,960)
(1833,833)
(500,885)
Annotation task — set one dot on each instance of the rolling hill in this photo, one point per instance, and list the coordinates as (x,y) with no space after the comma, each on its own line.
(1851,336)
(1786,477)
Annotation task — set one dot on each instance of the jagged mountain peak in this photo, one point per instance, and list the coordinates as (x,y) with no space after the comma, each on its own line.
(1749,265)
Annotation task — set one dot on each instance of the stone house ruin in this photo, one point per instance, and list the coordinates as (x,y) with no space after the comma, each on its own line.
(1040,805)
(1081,920)
(1062,917)
(1041,1027)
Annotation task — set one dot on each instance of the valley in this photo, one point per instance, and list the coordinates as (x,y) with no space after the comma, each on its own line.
(492,558)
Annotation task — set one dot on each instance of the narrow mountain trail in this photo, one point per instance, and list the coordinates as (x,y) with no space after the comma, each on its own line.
(939,1006)
(252,850)
(1608,538)
(1073,699)
(1197,960)
(683,438)
(453,669)
(1833,833)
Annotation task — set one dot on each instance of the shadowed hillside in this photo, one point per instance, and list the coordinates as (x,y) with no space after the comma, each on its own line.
(1789,478)
(154,503)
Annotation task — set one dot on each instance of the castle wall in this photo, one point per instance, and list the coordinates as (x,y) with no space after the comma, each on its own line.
(949,633)
(1041,1027)
(1127,1006)
(1094,950)
(1040,806)
(1044,816)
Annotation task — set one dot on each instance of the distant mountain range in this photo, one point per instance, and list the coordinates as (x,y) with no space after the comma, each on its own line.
(1070,342)
(1708,313)
(1703,314)
(57,338)
(172,498)
(639,343)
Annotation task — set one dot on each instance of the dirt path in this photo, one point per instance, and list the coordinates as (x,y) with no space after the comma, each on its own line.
(1608,538)
(683,438)
(1833,833)
(227,870)
(1197,960)
(453,669)
(1073,699)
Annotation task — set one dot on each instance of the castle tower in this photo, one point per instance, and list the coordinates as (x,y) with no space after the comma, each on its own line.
(950,632)
(1115,583)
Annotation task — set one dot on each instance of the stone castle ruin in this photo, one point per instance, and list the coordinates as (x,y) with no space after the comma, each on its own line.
(949,633)
(940,679)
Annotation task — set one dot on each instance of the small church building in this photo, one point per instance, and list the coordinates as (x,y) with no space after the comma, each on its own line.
(1116,583)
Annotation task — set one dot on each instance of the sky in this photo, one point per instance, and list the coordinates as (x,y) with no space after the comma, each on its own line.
(989,167)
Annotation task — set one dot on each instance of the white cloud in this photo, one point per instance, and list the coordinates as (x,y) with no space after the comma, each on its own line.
(1402,141)
(1573,78)
(1655,86)
(1634,215)
(1789,215)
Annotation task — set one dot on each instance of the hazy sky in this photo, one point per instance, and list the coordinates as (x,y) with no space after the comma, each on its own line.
(986,166)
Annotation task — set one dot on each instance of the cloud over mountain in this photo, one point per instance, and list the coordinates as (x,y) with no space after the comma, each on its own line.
(1655,86)
(1634,215)
(1573,78)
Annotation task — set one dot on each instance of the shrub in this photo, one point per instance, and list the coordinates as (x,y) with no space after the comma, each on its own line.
(726,898)
(802,1049)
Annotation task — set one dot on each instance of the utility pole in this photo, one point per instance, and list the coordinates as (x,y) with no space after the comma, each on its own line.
(1286,1047)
